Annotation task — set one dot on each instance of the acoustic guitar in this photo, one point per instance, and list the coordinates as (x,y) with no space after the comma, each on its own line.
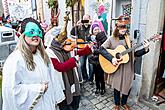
(121,52)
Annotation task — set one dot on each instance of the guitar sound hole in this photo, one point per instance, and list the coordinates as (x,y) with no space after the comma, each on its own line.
(118,55)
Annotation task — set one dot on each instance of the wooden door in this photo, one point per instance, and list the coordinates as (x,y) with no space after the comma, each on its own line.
(160,81)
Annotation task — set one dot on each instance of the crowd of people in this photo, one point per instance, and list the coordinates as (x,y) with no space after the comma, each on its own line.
(41,74)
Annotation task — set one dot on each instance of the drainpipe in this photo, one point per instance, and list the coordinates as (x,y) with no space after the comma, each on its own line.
(34,9)
(5,7)
(111,18)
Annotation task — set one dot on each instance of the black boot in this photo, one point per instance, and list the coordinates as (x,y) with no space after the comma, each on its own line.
(97,91)
(102,92)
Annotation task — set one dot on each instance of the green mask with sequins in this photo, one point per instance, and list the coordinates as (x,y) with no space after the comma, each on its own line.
(32,30)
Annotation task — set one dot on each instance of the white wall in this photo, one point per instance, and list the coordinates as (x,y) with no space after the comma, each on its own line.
(62,7)
(47,12)
(88,9)
(1,8)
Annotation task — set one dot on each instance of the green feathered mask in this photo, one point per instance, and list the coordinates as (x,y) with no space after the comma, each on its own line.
(32,30)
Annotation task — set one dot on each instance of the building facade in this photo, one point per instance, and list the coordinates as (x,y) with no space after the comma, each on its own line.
(1,8)
(147,19)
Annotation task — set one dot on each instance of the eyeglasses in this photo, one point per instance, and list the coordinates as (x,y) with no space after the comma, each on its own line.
(122,26)
(123,18)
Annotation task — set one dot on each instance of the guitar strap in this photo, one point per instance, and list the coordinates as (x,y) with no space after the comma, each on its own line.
(128,42)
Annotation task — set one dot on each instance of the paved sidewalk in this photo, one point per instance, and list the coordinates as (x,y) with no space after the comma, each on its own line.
(90,101)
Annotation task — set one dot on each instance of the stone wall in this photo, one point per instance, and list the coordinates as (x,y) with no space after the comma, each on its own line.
(152,16)
(1,8)
(147,17)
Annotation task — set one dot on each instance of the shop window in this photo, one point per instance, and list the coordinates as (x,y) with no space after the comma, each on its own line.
(77,12)
(126,9)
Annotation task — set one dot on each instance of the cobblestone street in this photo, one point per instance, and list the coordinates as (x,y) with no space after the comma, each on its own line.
(90,101)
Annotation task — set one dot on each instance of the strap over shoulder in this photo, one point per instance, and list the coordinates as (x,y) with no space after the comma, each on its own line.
(128,42)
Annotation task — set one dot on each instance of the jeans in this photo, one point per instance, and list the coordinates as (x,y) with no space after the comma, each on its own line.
(117,98)
(91,75)
(83,60)
(73,106)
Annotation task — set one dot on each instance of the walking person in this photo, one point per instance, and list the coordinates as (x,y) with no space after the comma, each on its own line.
(124,75)
(28,81)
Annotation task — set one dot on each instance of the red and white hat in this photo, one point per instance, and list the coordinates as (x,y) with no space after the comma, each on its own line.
(123,20)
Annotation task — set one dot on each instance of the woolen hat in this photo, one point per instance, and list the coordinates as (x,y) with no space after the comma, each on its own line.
(101,37)
(93,26)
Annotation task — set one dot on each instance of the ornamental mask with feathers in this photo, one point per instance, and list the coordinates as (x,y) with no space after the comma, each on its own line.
(63,34)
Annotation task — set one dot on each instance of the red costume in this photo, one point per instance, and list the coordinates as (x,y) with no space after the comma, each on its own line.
(71,62)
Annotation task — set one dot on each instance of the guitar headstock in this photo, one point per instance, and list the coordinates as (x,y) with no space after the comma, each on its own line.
(156,37)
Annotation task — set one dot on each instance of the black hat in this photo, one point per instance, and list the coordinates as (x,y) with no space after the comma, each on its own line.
(101,37)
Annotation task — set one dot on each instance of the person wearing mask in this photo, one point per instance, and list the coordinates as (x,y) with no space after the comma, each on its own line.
(124,75)
(29,80)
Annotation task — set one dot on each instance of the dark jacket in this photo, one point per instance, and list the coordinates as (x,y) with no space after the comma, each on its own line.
(100,39)
(81,31)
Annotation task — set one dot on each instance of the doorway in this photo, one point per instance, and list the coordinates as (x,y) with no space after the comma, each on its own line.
(160,78)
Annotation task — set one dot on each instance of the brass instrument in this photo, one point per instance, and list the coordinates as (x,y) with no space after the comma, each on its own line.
(63,34)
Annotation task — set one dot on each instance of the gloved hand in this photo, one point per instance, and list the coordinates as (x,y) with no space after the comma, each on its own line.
(96,51)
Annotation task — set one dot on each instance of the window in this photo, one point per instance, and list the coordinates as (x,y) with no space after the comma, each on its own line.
(127,9)
(77,12)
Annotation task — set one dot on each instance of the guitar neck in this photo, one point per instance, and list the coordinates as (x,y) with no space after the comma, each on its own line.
(131,49)
(134,47)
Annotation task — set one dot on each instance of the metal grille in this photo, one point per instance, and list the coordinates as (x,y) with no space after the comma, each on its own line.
(127,9)
(7,39)
(7,36)
(12,47)
(4,49)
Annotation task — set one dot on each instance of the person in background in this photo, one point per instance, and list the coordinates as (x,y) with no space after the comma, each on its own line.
(98,37)
(124,75)
(94,30)
(29,80)
(99,73)
(81,31)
